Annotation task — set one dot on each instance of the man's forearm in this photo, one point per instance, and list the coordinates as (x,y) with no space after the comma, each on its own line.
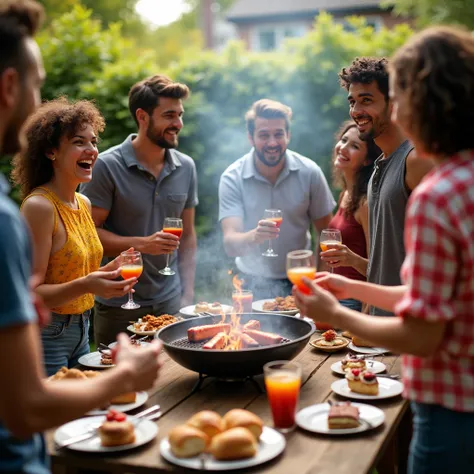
(187,262)
(383,297)
(114,244)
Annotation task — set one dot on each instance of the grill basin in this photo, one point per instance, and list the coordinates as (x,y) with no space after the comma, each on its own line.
(241,363)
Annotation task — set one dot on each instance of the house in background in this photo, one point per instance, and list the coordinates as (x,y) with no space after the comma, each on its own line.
(264,24)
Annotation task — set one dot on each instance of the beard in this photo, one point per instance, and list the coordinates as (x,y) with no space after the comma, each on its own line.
(261,156)
(158,138)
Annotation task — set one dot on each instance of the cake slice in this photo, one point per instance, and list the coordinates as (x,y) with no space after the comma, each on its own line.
(353,361)
(364,382)
(343,416)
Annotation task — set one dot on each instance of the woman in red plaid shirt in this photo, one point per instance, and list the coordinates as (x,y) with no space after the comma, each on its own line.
(432,95)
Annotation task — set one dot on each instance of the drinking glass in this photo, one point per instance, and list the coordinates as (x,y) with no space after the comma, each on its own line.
(299,264)
(172,225)
(131,265)
(275,216)
(328,237)
(283,382)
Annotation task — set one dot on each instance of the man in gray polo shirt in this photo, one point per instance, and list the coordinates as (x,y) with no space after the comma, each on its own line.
(136,185)
(271,177)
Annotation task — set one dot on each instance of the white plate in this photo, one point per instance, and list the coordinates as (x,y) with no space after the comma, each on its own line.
(258,307)
(142,397)
(387,388)
(142,343)
(93,360)
(367,350)
(315,419)
(141,333)
(189,310)
(272,443)
(145,431)
(373,365)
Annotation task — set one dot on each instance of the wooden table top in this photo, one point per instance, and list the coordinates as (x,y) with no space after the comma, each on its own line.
(305,452)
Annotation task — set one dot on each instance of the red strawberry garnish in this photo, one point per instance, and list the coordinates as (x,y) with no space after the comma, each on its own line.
(120,417)
(111,415)
(369,376)
(330,335)
(355,372)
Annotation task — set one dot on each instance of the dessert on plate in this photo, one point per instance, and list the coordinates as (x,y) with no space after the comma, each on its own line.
(353,361)
(330,340)
(116,430)
(343,416)
(362,381)
(358,341)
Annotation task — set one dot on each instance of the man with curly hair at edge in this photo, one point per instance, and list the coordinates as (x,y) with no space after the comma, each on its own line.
(397,171)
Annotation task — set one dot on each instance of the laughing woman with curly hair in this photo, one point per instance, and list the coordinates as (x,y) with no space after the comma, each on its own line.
(60,154)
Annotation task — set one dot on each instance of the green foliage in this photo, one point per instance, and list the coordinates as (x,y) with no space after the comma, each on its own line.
(429,12)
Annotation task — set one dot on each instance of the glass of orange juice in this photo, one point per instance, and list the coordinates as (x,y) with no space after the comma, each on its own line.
(172,225)
(131,265)
(273,215)
(299,264)
(283,382)
(329,237)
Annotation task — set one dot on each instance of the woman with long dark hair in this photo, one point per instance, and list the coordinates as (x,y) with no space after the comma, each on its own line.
(353,163)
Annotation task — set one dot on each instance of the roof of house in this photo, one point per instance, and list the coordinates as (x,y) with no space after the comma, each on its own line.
(243,10)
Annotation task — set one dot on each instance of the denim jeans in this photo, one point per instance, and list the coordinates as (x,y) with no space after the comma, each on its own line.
(350,303)
(65,339)
(443,440)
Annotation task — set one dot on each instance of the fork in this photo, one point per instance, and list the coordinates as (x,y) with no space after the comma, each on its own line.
(91,432)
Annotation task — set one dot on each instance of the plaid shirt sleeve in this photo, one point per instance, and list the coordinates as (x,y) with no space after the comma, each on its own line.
(431,263)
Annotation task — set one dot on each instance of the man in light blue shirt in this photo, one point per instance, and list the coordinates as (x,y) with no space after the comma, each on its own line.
(271,176)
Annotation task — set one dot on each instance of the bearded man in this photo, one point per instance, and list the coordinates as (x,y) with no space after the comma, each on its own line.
(134,186)
(271,176)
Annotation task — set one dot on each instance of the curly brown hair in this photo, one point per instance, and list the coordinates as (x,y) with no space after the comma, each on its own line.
(359,191)
(435,73)
(44,130)
(365,71)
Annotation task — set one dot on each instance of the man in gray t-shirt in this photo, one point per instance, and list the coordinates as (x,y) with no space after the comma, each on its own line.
(270,177)
(136,185)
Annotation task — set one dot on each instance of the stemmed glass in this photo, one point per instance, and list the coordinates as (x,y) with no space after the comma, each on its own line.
(275,216)
(131,265)
(329,237)
(299,264)
(172,225)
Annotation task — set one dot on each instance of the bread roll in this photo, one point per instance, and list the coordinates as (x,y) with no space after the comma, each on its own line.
(236,443)
(116,433)
(245,419)
(208,422)
(187,441)
(129,397)
(357,341)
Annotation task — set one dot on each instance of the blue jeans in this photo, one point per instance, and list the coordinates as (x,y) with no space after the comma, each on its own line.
(443,440)
(65,339)
(350,303)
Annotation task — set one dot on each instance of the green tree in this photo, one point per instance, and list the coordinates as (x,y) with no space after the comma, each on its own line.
(438,11)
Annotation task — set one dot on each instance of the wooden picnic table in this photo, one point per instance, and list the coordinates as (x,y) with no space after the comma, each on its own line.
(305,453)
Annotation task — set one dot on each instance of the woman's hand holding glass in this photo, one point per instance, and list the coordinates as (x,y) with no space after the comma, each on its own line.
(104,282)
(328,239)
(338,255)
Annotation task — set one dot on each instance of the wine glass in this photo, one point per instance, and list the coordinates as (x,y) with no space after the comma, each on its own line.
(329,237)
(275,216)
(299,264)
(171,225)
(131,265)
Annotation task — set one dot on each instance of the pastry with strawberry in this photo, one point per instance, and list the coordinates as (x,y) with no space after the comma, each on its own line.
(116,430)
(362,381)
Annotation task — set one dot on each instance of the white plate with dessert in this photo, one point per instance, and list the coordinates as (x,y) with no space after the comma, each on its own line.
(276,305)
(365,385)
(339,419)
(367,350)
(126,402)
(111,436)
(204,307)
(329,342)
(97,360)
(374,366)
(271,444)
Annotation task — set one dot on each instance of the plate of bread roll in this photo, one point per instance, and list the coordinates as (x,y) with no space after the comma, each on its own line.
(362,346)
(209,441)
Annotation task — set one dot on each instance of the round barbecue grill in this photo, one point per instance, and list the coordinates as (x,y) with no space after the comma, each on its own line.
(240,363)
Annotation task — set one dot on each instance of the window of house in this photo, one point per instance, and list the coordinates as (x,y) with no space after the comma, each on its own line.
(271,37)
(267,40)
